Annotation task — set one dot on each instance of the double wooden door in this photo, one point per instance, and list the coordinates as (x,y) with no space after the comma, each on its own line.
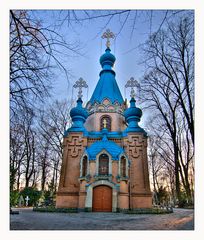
(102,199)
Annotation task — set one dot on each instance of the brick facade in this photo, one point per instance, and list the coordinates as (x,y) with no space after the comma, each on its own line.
(96,154)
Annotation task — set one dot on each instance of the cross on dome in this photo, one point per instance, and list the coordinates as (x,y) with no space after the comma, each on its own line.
(132,83)
(108,34)
(81,83)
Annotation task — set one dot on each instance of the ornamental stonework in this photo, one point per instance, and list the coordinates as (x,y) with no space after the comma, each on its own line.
(75,144)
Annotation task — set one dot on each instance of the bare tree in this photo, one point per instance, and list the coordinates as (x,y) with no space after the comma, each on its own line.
(126,18)
(154,161)
(29,161)
(52,124)
(170,56)
(34,51)
(36,146)
(17,154)
(168,87)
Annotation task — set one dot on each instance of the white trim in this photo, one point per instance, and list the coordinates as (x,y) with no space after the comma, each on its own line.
(81,164)
(109,161)
(119,169)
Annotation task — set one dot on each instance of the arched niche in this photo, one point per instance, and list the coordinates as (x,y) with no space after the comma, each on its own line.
(105,121)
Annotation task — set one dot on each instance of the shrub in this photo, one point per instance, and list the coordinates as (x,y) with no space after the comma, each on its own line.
(53,209)
(150,211)
(33,194)
(14,195)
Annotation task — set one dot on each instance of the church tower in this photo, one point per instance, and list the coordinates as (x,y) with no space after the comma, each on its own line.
(104,166)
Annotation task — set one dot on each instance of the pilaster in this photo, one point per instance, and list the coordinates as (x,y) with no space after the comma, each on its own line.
(69,187)
(136,148)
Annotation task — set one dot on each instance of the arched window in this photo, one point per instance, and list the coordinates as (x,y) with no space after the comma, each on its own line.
(103,164)
(105,123)
(123,167)
(84,166)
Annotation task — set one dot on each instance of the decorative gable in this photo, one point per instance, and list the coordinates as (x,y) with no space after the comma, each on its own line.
(106,101)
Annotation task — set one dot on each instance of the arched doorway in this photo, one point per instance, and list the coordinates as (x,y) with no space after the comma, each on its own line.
(102,199)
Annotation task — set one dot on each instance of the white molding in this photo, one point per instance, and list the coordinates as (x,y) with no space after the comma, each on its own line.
(81,164)
(109,161)
(119,169)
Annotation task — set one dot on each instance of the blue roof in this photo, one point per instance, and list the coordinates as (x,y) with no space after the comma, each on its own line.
(133,110)
(107,87)
(79,110)
(112,148)
(132,116)
(79,116)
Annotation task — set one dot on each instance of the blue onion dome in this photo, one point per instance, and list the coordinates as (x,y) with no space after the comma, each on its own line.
(133,111)
(107,58)
(79,111)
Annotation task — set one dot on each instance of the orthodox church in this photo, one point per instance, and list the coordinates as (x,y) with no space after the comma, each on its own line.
(104,165)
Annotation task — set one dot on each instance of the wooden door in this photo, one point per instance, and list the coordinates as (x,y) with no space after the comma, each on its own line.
(102,199)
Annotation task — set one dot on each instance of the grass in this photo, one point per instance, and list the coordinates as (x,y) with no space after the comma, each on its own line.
(133,211)
(150,211)
(54,209)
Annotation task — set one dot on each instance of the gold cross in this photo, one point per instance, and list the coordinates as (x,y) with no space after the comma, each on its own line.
(104,123)
(108,34)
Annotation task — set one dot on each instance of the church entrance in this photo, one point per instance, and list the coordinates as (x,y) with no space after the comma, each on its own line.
(102,199)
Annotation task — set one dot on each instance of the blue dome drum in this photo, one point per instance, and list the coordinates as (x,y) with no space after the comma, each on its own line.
(107,58)
(132,116)
(79,111)
(79,116)
(133,111)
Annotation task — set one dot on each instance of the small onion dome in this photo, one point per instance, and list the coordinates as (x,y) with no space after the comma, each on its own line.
(107,58)
(133,111)
(79,116)
(79,111)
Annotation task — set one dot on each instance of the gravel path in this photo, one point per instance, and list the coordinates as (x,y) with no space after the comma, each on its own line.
(181,219)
